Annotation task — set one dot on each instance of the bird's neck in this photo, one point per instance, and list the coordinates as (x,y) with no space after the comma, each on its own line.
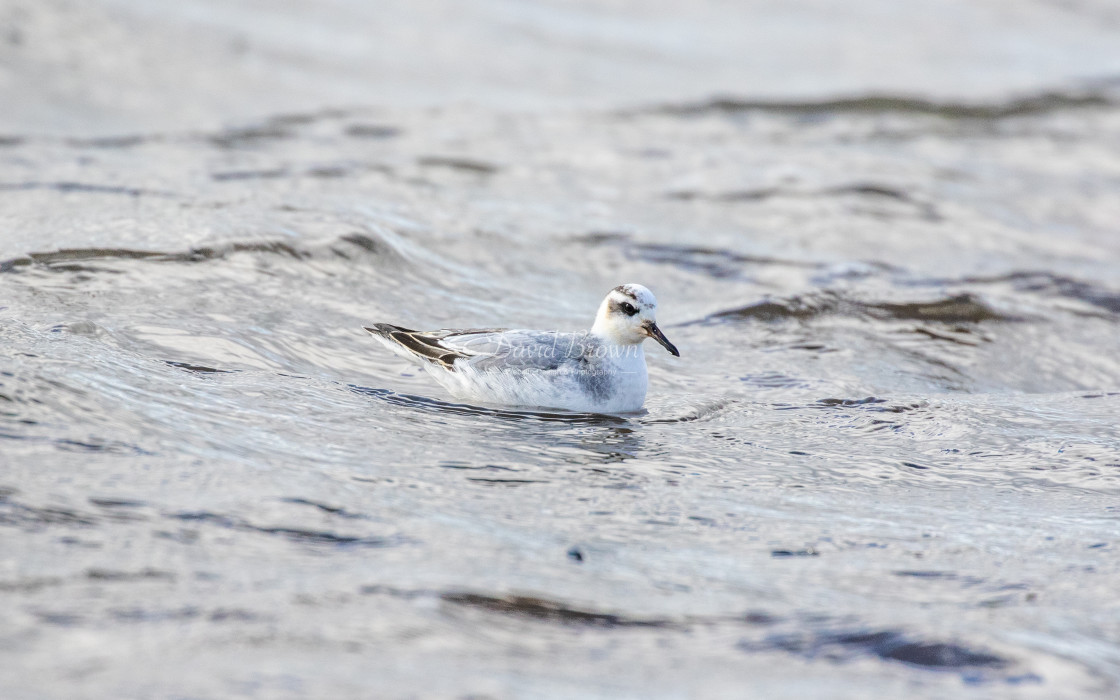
(609,336)
(618,353)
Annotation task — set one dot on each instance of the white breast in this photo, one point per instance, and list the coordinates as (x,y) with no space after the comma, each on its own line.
(615,383)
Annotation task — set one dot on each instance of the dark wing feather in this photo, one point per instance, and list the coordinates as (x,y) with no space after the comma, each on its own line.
(425,345)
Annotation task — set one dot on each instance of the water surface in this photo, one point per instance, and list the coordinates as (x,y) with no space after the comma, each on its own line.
(888,456)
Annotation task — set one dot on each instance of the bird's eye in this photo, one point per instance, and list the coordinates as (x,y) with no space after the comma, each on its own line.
(628,308)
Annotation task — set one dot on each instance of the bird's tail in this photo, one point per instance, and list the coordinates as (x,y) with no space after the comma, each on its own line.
(414,345)
(383,332)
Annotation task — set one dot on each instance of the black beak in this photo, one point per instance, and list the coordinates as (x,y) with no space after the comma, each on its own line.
(656,334)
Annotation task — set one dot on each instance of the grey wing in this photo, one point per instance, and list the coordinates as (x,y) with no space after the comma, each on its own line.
(489,348)
(518,349)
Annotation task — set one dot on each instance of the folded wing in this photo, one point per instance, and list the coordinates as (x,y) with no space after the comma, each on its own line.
(489,348)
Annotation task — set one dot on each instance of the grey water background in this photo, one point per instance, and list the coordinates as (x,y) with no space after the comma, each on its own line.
(885,237)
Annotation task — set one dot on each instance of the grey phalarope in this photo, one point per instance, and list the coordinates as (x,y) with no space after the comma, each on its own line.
(602,370)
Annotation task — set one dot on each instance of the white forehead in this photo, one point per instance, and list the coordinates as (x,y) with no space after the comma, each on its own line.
(636,294)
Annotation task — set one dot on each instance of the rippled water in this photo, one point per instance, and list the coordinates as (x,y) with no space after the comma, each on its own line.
(888,456)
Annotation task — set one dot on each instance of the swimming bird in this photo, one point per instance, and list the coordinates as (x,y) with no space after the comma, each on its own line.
(602,370)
